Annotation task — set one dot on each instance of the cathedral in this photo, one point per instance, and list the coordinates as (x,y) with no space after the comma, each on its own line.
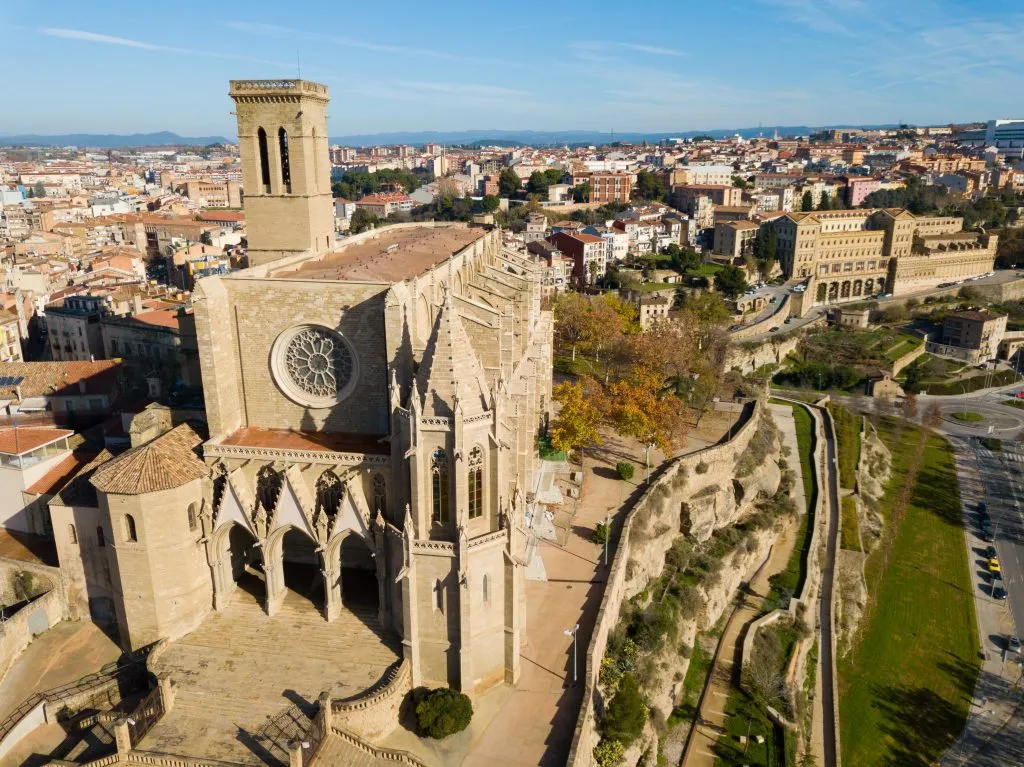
(372,409)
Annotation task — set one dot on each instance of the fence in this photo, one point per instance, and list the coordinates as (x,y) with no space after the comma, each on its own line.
(145,715)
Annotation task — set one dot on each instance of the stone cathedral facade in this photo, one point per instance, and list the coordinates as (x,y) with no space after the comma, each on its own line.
(372,412)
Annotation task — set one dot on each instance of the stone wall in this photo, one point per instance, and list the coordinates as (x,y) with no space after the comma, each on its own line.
(757,328)
(906,359)
(33,618)
(639,557)
(771,352)
(375,715)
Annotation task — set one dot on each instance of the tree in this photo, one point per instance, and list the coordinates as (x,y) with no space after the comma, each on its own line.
(443,712)
(582,411)
(730,281)
(39,189)
(912,385)
(509,183)
(826,201)
(581,192)
(932,416)
(648,187)
(573,319)
(637,409)
(910,407)
(807,201)
(553,176)
(626,713)
(766,249)
(362,220)
(489,203)
(537,184)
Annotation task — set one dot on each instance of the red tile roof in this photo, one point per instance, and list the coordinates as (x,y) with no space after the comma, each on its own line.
(15,440)
(56,478)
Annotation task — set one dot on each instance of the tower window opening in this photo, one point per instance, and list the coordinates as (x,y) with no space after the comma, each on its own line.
(261,137)
(286,170)
(439,473)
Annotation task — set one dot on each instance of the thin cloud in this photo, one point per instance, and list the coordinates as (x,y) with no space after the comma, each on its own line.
(273,30)
(597,45)
(96,37)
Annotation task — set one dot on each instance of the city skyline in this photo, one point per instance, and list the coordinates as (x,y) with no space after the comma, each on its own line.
(651,68)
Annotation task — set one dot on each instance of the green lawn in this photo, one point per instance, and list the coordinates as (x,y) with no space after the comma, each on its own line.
(850,526)
(965,385)
(847,426)
(968,416)
(788,582)
(704,270)
(993,444)
(746,717)
(905,687)
(1018,403)
(652,287)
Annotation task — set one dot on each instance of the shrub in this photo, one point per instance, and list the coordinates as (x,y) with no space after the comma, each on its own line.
(624,720)
(442,712)
(701,468)
(608,753)
(610,673)
(601,534)
(624,469)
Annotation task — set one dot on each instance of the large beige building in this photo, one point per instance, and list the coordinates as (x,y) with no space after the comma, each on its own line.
(371,415)
(852,254)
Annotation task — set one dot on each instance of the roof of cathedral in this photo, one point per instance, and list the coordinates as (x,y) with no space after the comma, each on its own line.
(450,368)
(163,463)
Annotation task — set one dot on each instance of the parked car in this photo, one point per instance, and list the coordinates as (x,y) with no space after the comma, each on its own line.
(998,592)
(1013,645)
(774,329)
(990,552)
(993,565)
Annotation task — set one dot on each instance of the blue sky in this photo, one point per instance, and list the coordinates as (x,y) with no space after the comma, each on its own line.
(121,67)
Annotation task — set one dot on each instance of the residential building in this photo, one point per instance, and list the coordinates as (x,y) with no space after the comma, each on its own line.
(606,187)
(735,238)
(653,309)
(972,336)
(720,194)
(72,393)
(207,194)
(157,343)
(857,190)
(588,252)
(73,329)
(10,336)
(383,204)
(27,455)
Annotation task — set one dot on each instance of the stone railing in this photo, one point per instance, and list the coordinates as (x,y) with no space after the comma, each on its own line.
(586,734)
(375,714)
(384,754)
(34,618)
(306,86)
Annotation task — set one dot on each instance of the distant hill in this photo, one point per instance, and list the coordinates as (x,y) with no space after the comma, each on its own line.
(111,140)
(548,138)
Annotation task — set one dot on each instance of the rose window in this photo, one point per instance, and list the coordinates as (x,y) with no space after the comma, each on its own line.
(314,365)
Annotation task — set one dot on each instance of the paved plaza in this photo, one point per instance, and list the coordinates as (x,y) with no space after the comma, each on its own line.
(245,683)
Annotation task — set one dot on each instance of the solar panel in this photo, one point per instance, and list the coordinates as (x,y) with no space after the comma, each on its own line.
(11,380)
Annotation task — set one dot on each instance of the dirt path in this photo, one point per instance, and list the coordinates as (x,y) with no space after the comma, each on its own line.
(711,717)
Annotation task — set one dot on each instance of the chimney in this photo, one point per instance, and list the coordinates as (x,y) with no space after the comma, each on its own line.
(137,304)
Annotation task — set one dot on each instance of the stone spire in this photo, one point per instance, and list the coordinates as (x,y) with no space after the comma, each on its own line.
(450,374)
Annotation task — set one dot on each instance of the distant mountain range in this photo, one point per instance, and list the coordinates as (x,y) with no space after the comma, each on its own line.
(418,138)
(111,140)
(558,138)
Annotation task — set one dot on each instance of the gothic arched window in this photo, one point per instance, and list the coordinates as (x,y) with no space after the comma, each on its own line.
(268,487)
(286,168)
(487,588)
(328,494)
(439,477)
(72,534)
(380,493)
(476,482)
(261,139)
(191,516)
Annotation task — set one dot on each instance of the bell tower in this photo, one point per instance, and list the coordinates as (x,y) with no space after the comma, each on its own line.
(282,137)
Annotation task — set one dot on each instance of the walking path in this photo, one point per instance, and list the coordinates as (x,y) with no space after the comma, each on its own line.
(725,671)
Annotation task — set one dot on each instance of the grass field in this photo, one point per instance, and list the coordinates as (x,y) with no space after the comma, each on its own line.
(965,385)
(905,686)
(788,582)
(1017,403)
(746,717)
(968,416)
(849,528)
(848,436)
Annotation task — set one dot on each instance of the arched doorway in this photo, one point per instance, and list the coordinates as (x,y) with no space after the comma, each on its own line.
(359,585)
(247,573)
(300,567)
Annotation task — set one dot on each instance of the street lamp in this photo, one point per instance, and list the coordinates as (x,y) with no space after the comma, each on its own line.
(607,535)
(572,633)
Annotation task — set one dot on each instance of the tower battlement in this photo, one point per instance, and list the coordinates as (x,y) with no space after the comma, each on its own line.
(275,88)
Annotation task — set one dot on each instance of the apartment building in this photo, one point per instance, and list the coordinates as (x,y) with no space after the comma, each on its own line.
(73,328)
(606,187)
(588,253)
(206,194)
(972,336)
(735,238)
(683,195)
(386,203)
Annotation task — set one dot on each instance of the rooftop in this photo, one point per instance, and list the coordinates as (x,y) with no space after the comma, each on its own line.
(392,255)
(164,463)
(15,440)
(286,439)
(44,379)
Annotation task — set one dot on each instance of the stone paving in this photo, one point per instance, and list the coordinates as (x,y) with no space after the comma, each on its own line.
(245,683)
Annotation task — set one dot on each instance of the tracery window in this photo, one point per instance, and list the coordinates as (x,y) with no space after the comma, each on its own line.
(380,493)
(439,494)
(329,492)
(476,482)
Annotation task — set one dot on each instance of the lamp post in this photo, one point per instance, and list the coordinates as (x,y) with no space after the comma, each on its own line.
(607,535)
(572,633)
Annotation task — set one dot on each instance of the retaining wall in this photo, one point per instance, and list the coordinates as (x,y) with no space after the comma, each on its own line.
(375,715)
(34,618)
(719,461)
(770,352)
(763,326)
